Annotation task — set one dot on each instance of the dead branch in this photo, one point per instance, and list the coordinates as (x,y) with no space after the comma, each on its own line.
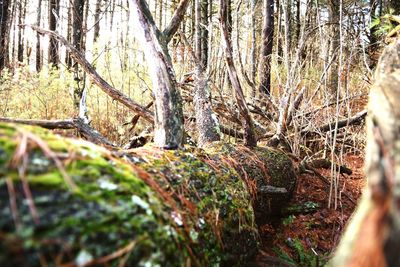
(176,19)
(354,120)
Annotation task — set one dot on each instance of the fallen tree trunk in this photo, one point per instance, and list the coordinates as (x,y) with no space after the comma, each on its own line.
(144,206)
(372,236)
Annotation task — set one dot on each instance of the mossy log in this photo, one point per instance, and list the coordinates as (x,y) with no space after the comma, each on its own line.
(66,202)
(372,237)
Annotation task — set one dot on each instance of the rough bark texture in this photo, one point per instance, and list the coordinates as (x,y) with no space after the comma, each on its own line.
(4,30)
(132,208)
(54,10)
(207,126)
(248,127)
(266,49)
(333,74)
(77,42)
(168,121)
(176,20)
(97,21)
(39,61)
(372,236)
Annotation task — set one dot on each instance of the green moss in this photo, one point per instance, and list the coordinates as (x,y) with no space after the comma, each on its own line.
(173,206)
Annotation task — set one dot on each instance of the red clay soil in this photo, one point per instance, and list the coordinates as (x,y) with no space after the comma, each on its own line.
(309,239)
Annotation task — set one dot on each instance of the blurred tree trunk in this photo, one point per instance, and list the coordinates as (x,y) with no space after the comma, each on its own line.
(77,42)
(204,32)
(168,123)
(39,60)
(68,59)
(97,21)
(206,125)
(395,5)
(4,32)
(21,31)
(333,74)
(248,126)
(266,48)
(372,235)
(54,11)
(253,46)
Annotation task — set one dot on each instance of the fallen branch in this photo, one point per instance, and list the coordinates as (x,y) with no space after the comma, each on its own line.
(354,120)
(85,129)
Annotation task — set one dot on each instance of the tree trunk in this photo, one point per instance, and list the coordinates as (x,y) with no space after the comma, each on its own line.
(266,49)
(204,32)
(206,124)
(372,235)
(97,21)
(168,122)
(54,11)
(39,61)
(4,33)
(248,126)
(68,59)
(395,5)
(21,35)
(333,74)
(253,46)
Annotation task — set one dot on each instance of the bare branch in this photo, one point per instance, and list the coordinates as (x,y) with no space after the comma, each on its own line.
(85,129)
(176,20)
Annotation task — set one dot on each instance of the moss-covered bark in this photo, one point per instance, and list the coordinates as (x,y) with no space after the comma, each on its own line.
(141,207)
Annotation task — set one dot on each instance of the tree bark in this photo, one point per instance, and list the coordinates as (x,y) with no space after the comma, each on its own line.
(21,34)
(266,49)
(176,20)
(54,11)
(168,121)
(4,32)
(97,21)
(248,126)
(77,42)
(206,123)
(333,74)
(39,61)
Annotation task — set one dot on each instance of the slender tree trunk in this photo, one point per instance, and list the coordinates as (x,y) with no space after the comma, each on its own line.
(4,32)
(54,11)
(38,44)
(279,42)
(266,49)
(168,124)
(77,42)
(97,21)
(204,32)
(68,59)
(333,74)
(253,46)
(249,136)
(207,126)
(297,22)
(21,35)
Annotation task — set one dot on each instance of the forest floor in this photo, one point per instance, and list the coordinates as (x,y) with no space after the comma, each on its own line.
(309,239)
